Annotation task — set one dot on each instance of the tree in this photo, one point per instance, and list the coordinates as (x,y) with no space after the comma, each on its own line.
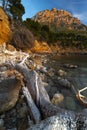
(4,4)
(14,8)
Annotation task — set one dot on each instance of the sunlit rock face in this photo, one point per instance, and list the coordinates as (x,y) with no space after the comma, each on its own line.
(5,32)
(41,47)
(59,19)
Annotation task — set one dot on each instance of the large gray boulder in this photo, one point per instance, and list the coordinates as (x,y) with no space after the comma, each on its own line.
(65,121)
(9,93)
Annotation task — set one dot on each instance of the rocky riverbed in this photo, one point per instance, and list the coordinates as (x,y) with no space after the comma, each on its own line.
(16,112)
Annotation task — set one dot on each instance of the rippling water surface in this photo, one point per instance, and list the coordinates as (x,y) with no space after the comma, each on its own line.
(77,76)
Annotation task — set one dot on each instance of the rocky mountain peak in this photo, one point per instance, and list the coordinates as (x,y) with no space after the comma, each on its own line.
(59,19)
(54,10)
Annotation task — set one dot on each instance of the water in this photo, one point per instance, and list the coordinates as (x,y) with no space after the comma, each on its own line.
(78,77)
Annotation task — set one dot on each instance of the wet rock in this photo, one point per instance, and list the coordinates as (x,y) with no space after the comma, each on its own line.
(64,82)
(9,93)
(70,103)
(41,68)
(51,90)
(84,111)
(57,98)
(23,111)
(62,73)
(70,66)
(51,72)
(10,119)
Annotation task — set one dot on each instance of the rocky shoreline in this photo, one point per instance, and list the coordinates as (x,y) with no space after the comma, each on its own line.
(37,107)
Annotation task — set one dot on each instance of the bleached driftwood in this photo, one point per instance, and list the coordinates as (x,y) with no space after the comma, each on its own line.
(25,58)
(28,79)
(38,92)
(33,110)
(10,52)
(46,107)
(14,56)
(81,90)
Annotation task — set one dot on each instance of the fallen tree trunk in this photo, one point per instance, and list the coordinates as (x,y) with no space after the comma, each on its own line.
(47,108)
(28,79)
(33,110)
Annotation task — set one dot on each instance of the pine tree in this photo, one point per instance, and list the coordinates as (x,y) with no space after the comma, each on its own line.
(14,8)
(4,4)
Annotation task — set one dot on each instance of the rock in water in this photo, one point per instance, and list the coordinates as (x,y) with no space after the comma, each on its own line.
(9,93)
(62,73)
(64,82)
(57,98)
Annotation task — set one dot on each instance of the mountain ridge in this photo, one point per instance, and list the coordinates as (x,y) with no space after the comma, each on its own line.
(58,19)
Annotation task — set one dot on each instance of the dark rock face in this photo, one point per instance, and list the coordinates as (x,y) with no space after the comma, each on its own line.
(9,93)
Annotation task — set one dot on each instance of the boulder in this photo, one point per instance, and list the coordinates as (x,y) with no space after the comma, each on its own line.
(62,73)
(64,82)
(57,98)
(64,121)
(9,93)
(70,66)
(51,72)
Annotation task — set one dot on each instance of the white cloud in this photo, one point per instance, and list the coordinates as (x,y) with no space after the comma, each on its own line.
(81,16)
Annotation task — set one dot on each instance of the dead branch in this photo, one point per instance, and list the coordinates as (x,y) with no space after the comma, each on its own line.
(33,110)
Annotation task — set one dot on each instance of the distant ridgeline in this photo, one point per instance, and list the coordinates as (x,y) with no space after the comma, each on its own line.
(59,27)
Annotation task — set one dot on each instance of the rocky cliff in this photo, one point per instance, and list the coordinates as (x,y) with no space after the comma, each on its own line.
(5,32)
(59,19)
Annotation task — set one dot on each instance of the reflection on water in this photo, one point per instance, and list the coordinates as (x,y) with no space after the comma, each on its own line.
(78,77)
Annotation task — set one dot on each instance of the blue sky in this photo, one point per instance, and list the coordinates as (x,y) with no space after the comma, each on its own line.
(78,8)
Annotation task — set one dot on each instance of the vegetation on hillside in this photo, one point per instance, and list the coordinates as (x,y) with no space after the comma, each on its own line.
(65,38)
(22,37)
